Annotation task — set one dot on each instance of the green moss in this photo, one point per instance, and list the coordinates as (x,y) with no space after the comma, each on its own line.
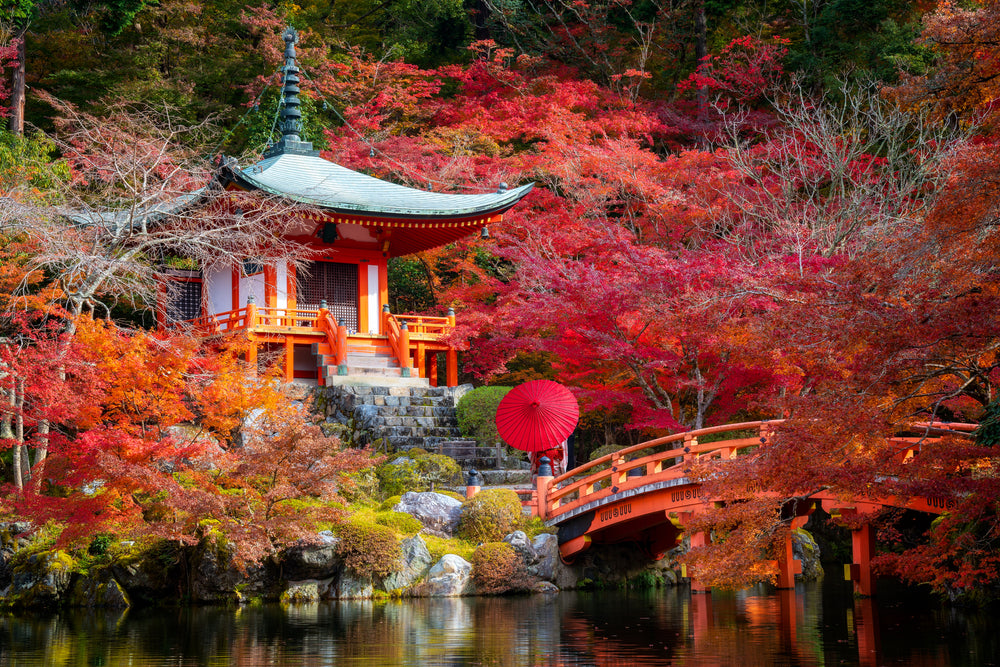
(439,546)
(490,515)
(390,502)
(534,526)
(400,522)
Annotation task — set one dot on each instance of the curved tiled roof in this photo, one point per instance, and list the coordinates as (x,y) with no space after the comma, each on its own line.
(311,180)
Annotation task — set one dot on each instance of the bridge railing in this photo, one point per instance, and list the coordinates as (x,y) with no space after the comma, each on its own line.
(661,459)
(670,457)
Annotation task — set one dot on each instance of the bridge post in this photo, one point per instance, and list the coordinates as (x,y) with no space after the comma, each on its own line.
(863,548)
(699,539)
(542,486)
(788,567)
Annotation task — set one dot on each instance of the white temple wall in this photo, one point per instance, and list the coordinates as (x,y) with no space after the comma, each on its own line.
(282,285)
(373,307)
(218,286)
(251,285)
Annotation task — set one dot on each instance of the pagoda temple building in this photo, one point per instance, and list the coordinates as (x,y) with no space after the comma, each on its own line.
(331,317)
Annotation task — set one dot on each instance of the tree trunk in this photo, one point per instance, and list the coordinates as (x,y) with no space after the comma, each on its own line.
(20,460)
(41,452)
(16,121)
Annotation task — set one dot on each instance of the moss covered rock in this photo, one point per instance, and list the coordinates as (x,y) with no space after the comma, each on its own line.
(490,515)
(41,580)
(98,589)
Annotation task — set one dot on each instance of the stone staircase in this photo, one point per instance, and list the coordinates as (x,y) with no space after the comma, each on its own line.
(391,415)
(365,358)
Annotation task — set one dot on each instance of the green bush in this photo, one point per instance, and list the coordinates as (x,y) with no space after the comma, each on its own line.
(490,515)
(401,522)
(497,569)
(421,473)
(477,411)
(369,550)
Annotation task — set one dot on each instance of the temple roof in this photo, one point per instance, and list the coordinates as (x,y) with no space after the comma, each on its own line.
(317,182)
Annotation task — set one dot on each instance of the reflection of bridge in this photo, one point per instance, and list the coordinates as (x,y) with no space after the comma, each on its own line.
(642,494)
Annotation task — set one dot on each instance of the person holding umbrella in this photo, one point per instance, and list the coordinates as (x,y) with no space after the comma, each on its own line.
(537,417)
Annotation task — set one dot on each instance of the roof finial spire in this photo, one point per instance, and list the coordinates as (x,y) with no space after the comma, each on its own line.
(291,116)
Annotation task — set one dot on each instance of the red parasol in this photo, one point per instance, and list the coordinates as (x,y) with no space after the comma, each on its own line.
(537,415)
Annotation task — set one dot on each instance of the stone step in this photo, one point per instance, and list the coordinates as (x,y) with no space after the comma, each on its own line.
(382,360)
(375,382)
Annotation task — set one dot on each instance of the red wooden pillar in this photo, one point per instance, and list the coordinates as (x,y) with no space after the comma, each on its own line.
(452,367)
(863,548)
(699,539)
(421,361)
(788,567)
(289,359)
(433,370)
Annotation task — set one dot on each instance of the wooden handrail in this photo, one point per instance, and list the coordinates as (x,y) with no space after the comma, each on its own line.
(659,459)
(336,336)
(669,457)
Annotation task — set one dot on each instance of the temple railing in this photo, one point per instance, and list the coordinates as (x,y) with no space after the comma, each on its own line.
(411,338)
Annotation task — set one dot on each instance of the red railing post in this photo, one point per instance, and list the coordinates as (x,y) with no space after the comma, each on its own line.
(252,316)
(403,351)
(542,483)
(341,344)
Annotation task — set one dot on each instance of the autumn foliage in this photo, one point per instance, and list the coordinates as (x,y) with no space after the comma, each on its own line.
(742,237)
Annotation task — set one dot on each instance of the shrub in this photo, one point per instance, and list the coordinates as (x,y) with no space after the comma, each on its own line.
(369,550)
(401,522)
(490,515)
(418,474)
(497,568)
(477,411)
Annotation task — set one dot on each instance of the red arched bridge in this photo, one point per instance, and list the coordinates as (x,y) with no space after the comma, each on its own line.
(642,494)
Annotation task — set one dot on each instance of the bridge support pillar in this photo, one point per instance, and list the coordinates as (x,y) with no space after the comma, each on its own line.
(699,539)
(788,567)
(863,548)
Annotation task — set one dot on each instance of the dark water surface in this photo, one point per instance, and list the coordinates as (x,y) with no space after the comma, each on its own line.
(813,625)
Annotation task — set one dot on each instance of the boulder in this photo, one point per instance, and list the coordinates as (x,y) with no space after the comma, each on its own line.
(307,591)
(41,581)
(548,566)
(353,587)
(311,559)
(99,590)
(215,577)
(450,577)
(439,513)
(522,545)
(545,588)
(805,549)
(416,562)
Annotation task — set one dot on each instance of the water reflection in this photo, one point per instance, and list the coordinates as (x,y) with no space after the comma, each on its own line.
(809,626)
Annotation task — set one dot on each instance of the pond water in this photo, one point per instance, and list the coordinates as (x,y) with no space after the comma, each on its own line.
(812,625)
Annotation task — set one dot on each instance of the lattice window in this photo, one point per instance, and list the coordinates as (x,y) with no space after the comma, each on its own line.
(335,283)
(183,300)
